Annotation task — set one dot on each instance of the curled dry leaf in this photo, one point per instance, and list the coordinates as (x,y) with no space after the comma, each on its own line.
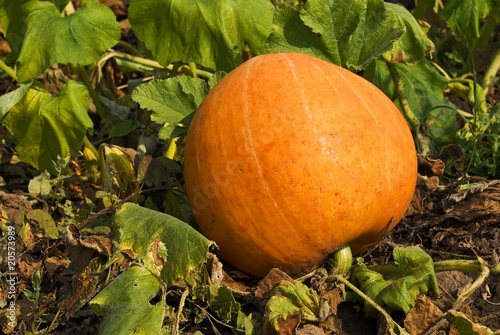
(422,316)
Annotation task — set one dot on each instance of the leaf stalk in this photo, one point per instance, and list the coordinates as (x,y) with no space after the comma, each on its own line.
(371,302)
(7,69)
(410,117)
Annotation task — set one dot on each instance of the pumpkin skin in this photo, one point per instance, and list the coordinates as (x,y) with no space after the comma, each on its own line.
(290,157)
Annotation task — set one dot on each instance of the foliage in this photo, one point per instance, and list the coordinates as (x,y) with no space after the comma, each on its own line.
(434,71)
(414,275)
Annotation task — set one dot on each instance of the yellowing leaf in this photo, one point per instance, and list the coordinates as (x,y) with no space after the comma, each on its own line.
(127,304)
(185,249)
(49,127)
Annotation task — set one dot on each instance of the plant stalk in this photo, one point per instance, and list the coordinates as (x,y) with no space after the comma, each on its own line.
(370,301)
(441,266)
(491,73)
(7,69)
(93,94)
(407,112)
(485,271)
(410,117)
(341,259)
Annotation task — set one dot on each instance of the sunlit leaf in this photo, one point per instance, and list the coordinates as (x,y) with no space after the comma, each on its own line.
(348,33)
(9,100)
(80,38)
(289,298)
(171,100)
(210,33)
(414,275)
(138,227)
(414,44)
(47,127)
(127,304)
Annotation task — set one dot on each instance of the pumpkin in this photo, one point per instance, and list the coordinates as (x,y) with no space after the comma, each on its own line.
(290,157)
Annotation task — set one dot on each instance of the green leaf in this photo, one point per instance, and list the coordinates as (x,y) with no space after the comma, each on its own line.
(80,38)
(348,33)
(44,221)
(13,15)
(60,4)
(414,274)
(414,44)
(9,100)
(225,306)
(210,33)
(139,227)
(47,127)
(171,100)
(464,17)
(289,298)
(40,186)
(442,126)
(127,305)
(422,97)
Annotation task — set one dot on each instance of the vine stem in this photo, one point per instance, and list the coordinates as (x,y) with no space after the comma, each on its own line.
(341,259)
(93,94)
(151,63)
(182,301)
(410,117)
(441,266)
(10,71)
(490,75)
(371,302)
(485,271)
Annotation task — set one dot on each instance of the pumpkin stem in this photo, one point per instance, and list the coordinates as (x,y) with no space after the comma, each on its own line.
(341,259)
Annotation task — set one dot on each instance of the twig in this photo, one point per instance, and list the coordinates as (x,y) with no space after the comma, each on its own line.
(372,303)
(182,301)
(485,271)
(490,75)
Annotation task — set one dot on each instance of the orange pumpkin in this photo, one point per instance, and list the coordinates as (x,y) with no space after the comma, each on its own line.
(289,157)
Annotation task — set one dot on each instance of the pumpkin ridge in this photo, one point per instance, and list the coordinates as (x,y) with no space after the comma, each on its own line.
(285,164)
(254,155)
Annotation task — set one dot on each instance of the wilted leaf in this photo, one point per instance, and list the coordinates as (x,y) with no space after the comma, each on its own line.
(40,186)
(48,127)
(117,169)
(80,38)
(463,325)
(44,221)
(127,304)
(186,249)
(226,307)
(348,33)
(414,44)
(289,299)
(210,33)
(414,274)
(423,315)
